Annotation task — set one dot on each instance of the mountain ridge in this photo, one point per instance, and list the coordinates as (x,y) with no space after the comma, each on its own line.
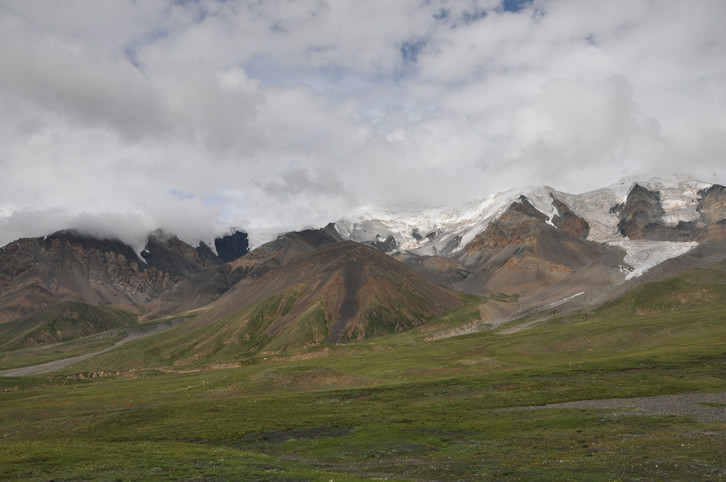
(538,246)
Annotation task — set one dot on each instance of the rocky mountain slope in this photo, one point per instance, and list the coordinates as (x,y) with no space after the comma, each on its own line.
(599,215)
(535,248)
(338,293)
(209,284)
(544,245)
(70,266)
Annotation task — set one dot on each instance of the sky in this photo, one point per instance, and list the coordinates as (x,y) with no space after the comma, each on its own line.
(119,117)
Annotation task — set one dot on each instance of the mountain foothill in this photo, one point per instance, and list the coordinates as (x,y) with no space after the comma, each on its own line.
(363,277)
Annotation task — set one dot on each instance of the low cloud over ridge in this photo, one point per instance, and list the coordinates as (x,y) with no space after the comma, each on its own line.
(193,116)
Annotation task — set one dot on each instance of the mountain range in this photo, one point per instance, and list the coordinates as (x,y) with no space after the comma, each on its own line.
(372,273)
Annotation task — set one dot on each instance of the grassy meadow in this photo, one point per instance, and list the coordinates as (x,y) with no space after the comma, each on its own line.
(398,407)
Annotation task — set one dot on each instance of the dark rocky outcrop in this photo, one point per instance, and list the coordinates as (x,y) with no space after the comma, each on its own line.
(451,245)
(641,213)
(206,253)
(169,254)
(712,204)
(387,245)
(36,273)
(567,221)
(232,246)
(523,228)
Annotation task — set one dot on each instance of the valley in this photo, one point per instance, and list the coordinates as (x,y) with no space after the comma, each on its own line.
(398,407)
(548,346)
(61,363)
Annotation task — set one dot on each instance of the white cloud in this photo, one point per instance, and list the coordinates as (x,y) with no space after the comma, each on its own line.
(276,113)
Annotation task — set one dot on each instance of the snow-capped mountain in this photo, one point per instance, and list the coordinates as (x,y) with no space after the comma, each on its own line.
(446,231)
(524,250)
(436,231)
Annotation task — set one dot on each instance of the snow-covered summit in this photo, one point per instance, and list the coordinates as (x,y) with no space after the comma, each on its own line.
(678,194)
(441,230)
(425,231)
(446,230)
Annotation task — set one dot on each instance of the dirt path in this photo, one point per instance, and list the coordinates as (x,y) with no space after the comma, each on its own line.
(689,404)
(58,364)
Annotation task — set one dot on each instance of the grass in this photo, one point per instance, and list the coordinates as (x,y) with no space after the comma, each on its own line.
(395,408)
(62,322)
(221,424)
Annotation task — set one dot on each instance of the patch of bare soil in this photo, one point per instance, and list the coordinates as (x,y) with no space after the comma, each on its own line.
(705,407)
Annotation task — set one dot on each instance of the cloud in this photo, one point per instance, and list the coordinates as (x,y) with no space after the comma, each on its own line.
(131,228)
(193,116)
(574,123)
(77,81)
(298,180)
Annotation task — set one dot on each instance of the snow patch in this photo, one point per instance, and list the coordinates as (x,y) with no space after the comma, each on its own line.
(679,198)
(212,247)
(643,255)
(564,300)
(541,199)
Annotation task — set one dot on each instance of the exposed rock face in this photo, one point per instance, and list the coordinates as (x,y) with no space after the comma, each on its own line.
(567,221)
(451,245)
(518,225)
(522,228)
(195,291)
(232,246)
(641,213)
(206,253)
(522,253)
(331,231)
(641,216)
(65,266)
(69,266)
(712,204)
(169,254)
(387,245)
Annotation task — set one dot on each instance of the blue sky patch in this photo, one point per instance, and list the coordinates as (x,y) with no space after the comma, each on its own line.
(182,195)
(515,6)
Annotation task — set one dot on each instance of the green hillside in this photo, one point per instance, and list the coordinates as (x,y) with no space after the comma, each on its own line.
(62,322)
(396,407)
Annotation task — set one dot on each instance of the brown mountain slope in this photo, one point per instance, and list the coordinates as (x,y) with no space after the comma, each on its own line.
(278,252)
(169,254)
(521,253)
(37,272)
(337,293)
(69,266)
(205,286)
